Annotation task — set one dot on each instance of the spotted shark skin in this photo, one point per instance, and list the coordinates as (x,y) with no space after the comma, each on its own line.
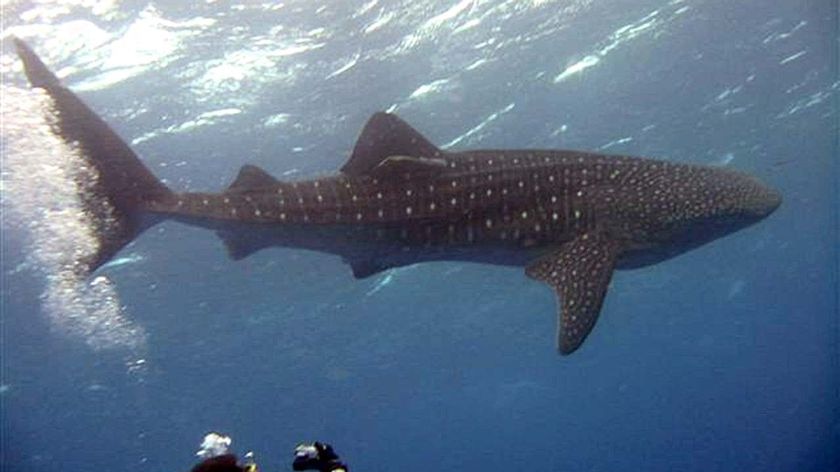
(569,217)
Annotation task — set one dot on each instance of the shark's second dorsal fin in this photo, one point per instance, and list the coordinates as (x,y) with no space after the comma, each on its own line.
(579,271)
(250,178)
(383,136)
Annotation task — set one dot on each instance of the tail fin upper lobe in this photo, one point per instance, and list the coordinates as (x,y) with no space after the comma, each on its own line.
(122,187)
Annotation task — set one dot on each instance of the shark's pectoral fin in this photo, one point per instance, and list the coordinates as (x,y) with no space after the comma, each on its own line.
(251,178)
(580,271)
(383,136)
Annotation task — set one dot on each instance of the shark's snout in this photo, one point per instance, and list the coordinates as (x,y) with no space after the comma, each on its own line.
(774,199)
(762,199)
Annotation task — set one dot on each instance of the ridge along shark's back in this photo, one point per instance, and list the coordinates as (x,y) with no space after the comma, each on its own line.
(569,217)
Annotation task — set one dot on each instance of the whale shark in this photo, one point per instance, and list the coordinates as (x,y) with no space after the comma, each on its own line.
(569,218)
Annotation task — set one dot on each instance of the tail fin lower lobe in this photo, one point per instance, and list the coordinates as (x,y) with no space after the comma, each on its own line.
(122,185)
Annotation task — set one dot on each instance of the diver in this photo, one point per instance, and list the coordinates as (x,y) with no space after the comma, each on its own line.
(317,456)
(216,457)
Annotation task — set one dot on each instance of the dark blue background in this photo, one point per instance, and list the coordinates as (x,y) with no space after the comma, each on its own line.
(725,358)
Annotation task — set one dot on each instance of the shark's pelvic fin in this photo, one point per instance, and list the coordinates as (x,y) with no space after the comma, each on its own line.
(251,178)
(383,136)
(579,271)
(123,185)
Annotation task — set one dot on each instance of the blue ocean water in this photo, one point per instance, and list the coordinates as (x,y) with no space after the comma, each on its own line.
(725,358)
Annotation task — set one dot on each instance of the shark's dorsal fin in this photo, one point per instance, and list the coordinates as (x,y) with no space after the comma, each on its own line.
(383,136)
(579,271)
(250,178)
(408,166)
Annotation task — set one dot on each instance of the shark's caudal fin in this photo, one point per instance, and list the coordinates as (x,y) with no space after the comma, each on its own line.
(121,186)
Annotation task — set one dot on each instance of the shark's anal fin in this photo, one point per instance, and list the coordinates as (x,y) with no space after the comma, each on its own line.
(364,268)
(251,178)
(383,136)
(579,271)
(241,244)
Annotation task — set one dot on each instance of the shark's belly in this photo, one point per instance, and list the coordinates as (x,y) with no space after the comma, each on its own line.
(370,248)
